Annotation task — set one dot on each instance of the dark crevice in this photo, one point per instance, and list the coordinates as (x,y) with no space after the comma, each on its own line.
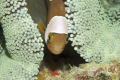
(62,61)
(3,41)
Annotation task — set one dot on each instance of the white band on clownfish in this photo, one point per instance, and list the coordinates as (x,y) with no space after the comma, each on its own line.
(58,24)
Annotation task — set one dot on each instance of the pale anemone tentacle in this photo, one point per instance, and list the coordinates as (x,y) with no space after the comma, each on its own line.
(93,35)
(23,42)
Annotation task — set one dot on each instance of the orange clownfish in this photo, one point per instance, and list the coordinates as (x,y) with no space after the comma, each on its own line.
(56,33)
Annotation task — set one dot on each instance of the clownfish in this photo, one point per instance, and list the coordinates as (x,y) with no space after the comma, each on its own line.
(56,33)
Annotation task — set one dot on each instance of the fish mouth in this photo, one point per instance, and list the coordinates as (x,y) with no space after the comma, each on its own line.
(57,50)
(54,51)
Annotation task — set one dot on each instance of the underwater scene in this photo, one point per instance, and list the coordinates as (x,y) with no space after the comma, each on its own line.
(59,39)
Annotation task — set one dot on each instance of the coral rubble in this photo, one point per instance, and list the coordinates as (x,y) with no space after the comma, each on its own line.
(89,71)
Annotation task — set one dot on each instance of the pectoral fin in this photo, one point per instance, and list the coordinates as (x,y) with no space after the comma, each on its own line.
(41,27)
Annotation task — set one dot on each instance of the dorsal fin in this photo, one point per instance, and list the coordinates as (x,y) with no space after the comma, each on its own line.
(41,27)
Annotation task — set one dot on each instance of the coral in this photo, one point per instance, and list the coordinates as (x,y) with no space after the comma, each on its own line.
(48,74)
(23,42)
(88,71)
(41,75)
(92,34)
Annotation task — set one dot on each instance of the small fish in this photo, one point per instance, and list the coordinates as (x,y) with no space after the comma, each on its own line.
(56,34)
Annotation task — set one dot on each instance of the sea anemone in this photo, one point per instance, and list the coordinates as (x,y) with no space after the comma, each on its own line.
(94,36)
(23,42)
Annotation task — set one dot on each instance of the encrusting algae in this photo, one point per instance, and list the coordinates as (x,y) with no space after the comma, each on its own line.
(93,30)
(88,71)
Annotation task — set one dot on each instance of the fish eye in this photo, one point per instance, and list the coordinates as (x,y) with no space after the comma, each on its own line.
(66,38)
(49,37)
